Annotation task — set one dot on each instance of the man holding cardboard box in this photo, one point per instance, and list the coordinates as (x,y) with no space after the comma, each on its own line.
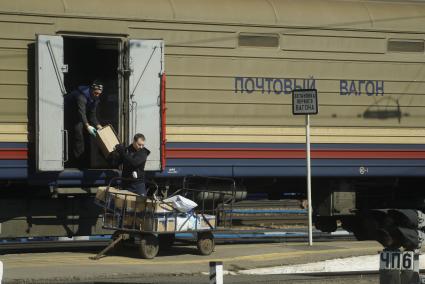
(81,106)
(134,159)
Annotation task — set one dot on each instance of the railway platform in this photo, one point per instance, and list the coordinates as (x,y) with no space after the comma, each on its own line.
(182,260)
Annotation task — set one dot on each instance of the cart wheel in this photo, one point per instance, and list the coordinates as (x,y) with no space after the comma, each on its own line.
(205,243)
(148,246)
(166,240)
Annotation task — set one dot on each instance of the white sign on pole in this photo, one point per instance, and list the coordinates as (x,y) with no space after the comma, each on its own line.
(305,102)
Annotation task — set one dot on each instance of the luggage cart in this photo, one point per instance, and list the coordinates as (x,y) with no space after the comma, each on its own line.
(152,223)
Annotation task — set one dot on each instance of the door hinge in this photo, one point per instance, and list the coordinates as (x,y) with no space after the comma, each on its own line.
(124,71)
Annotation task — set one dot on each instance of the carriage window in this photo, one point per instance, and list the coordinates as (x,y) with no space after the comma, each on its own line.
(259,40)
(401,45)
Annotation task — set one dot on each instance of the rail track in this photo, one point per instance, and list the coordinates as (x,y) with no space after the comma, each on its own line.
(265,213)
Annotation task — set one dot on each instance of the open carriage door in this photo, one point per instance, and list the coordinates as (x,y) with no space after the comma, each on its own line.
(146,64)
(49,103)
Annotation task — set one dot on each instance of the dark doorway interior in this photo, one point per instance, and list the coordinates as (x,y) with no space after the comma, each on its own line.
(90,59)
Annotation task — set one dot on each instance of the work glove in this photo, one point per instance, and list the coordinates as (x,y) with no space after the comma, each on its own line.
(91,130)
(120,148)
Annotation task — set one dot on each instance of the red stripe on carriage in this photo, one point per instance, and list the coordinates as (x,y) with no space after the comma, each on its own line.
(13,154)
(256,153)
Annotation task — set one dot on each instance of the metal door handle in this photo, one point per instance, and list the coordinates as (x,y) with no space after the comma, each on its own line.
(66,143)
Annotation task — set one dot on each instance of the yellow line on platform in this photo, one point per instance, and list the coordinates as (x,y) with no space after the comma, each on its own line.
(55,260)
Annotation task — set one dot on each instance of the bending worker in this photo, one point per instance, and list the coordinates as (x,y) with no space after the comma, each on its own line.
(81,107)
(134,159)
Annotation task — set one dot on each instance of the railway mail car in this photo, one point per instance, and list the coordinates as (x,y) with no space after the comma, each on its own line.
(231,67)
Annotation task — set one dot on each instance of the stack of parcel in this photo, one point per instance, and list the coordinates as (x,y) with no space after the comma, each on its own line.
(125,210)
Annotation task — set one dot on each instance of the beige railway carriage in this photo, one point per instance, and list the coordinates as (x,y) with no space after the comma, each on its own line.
(210,43)
(230,69)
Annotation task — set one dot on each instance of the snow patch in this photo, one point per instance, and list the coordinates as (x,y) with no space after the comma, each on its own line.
(350,264)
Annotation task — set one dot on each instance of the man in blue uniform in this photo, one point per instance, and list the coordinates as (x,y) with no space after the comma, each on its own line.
(134,159)
(81,107)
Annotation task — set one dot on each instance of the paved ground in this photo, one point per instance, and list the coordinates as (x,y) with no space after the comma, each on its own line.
(181,264)
(197,279)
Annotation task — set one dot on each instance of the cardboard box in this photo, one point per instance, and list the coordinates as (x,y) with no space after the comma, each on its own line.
(115,220)
(153,224)
(156,207)
(143,205)
(194,222)
(202,223)
(132,201)
(186,222)
(117,198)
(101,193)
(111,220)
(107,139)
(177,223)
(161,224)
(101,199)
(164,224)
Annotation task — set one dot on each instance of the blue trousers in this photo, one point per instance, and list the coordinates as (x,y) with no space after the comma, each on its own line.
(137,187)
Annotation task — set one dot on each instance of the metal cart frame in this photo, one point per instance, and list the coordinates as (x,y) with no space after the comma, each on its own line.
(135,218)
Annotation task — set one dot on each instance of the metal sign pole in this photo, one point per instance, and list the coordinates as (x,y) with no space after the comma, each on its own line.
(310,211)
(304,102)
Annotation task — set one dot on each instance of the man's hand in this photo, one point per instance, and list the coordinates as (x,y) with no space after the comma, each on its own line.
(120,148)
(99,127)
(91,130)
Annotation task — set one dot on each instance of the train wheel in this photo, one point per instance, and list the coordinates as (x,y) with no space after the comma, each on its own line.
(326,224)
(166,240)
(149,246)
(205,243)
